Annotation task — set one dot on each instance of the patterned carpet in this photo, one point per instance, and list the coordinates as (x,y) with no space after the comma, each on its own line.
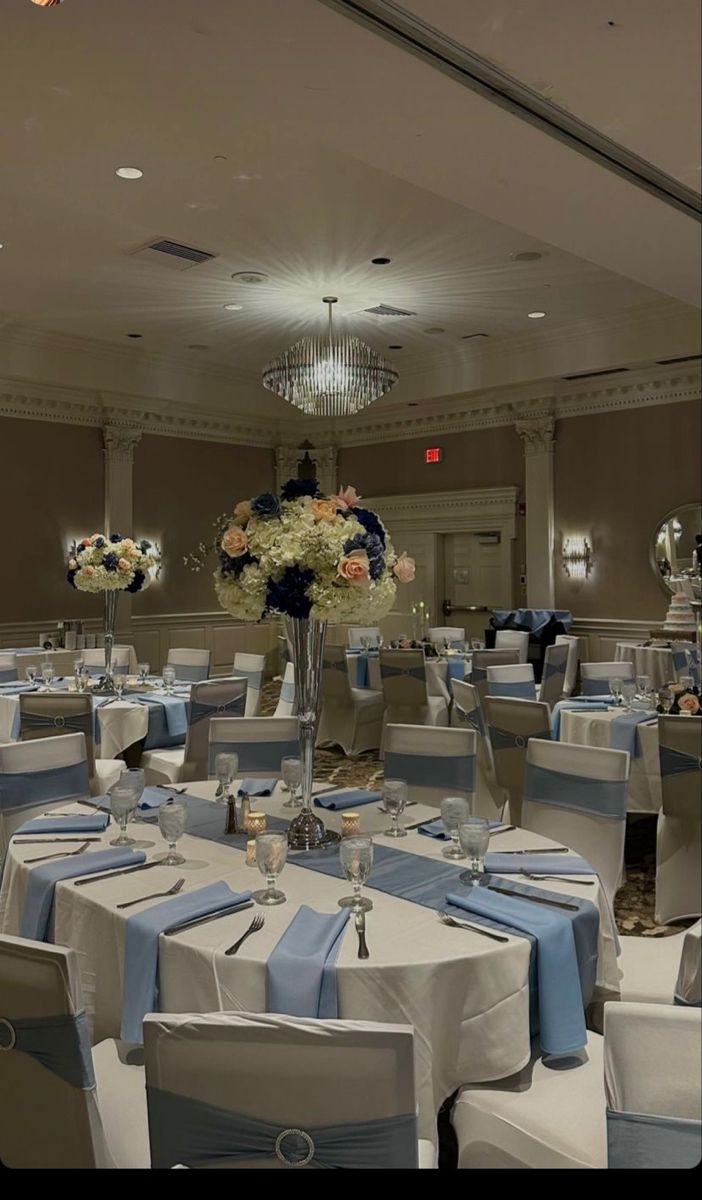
(635,900)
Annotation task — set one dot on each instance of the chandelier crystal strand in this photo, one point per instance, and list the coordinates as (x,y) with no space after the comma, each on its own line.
(332,376)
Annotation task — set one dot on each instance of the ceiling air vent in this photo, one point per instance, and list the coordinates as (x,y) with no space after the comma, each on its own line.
(595,374)
(387,310)
(468,337)
(173,255)
(669,362)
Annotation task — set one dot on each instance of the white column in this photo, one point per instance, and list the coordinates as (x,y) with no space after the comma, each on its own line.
(119,515)
(538,437)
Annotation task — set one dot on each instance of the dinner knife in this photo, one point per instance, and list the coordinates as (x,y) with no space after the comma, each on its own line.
(50,841)
(533,899)
(360,920)
(115,874)
(539,850)
(222,912)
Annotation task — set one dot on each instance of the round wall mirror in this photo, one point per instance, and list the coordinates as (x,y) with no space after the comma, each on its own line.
(676,548)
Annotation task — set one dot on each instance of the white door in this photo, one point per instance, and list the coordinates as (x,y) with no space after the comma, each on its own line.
(474,566)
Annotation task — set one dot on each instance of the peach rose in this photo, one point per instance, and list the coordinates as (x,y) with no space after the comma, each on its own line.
(124,565)
(689,704)
(404,568)
(87,542)
(242,512)
(88,570)
(133,551)
(324,510)
(354,568)
(347,497)
(235,542)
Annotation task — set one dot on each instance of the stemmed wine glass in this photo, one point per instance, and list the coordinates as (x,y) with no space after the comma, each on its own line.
(629,692)
(143,668)
(474,836)
(643,684)
(226,770)
(122,803)
(31,673)
(169,677)
(271,856)
(134,779)
(291,770)
(665,699)
(395,802)
(454,812)
(118,682)
(615,687)
(172,815)
(47,674)
(356,859)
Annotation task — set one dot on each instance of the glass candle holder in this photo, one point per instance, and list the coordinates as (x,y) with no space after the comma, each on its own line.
(350,824)
(251,853)
(256,823)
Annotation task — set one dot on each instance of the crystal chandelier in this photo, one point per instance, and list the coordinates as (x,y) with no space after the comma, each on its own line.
(330,376)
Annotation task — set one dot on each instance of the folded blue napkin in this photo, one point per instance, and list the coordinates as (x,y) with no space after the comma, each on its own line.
(153,797)
(140,987)
(174,710)
(301,970)
(80,823)
(338,801)
(43,878)
(257,787)
(18,685)
(437,829)
(561,1015)
(580,705)
(540,864)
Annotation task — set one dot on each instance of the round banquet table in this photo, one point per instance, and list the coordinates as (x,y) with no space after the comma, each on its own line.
(594,729)
(466,996)
(654,661)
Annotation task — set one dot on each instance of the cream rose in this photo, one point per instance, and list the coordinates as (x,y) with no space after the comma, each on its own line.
(242,512)
(235,542)
(324,510)
(689,704)
(354,568)
(124,565)
(88,571)
(404,568)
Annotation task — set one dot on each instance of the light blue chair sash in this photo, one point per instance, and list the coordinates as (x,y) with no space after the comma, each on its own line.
(287,692)
(197,711)
(553,668)
(636,1141)
(183,1130)
(474,719)
(61,1044)
(597,797)
(190,673)
(255,756)
(433,770)
(676,762)
(523,690)
(336,664)
(595,687)
(407,672)
(95,671)
(75,723)
(255,678)
(505,739)
(37,787)
(301,969)
(679,660)
(478,675)
(9,676)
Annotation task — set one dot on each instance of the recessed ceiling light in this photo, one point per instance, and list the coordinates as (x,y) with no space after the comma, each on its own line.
(536,316)
(435,329)
(412,404)
(381,262)
(527,256)
(233,307)
(250,276)
(197,346)
(394,347)
(129,173)
(135,335)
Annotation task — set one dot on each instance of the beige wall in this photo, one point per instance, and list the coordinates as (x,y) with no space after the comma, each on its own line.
(51,491)
(180,488)
(486,458)
(616,476)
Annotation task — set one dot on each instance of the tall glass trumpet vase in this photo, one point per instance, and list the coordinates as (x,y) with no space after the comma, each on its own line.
(107,683)
(307,639)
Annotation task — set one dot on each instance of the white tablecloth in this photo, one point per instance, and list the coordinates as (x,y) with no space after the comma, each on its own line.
(654,661)
(61,660)
(594,729)
(466,996)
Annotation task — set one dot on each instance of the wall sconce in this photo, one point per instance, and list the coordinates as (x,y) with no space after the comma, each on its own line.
(577,557)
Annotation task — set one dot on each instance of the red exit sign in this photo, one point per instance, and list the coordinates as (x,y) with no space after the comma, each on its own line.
(433,454)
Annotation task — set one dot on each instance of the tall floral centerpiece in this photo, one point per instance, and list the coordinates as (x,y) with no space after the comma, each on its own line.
(314,560)
(111,564)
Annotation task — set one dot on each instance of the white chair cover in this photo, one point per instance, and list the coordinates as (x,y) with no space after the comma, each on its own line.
(577,796)
(553,679)
(510,725)
(52,714)
(283,1072)
(649,967)
(404,680)
(516,682)
(686,660)
(351,717)
(286,700)
(260,742)
(191,666)
(38,775)
(688,985)
(211,698)
(49,1115)
(482,659)
(435,762)
(678,846)
(251,667)
(94,660)
(8,667)
(652,1068)
(595,676)
(513,639)
(356,632)
(455,635)
(466,713)
(571,674)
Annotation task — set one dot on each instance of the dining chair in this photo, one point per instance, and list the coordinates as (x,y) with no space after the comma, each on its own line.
(191,666)
(237,1090)
(595,676)
(260,742)
(466,713)
(678,843)
(571,675)
(434,763)
(407,702)
(686,660)
(513,639)
(182,764)
(94,660)
(553,676)
(510,725)
(454,635)
(482,659)
(351,717)
(251,667)
(515,682)
(662,970)
(37,775)
(8,667)
(56,714)
(356,634)
(286,700)
(62,1105)
(577,795)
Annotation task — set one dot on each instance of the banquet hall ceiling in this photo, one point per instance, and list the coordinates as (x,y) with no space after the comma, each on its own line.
(282,138)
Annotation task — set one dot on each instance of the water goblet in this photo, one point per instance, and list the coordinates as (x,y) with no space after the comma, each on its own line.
(78,665)
(454,812)
(169,678)
(629,692)
(143,668)
(643,684)
(687,682)
(395,802)
(271,856)
(118,683)
(379,641)
(615,687)
(172,815)
(134,779)
(291,770)
(365,643)
(31,674)
(356,859)
(47,674)
(226,771)
(665,699)
(122,803)
(474,836)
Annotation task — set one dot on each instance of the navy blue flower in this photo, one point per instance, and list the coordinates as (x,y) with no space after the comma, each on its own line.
(374,548)
(138,582)
(295,488)
(115,537)
(289,594)
(265,506)
(99,543)
(71,576)
(110,562)
(234,566)
(370,522)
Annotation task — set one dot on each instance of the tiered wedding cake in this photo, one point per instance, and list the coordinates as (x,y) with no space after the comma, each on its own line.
(680,618)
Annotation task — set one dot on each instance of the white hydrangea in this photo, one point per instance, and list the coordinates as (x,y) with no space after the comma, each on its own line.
(92,576)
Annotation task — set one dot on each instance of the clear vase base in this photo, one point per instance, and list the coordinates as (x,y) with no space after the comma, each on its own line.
(307,832)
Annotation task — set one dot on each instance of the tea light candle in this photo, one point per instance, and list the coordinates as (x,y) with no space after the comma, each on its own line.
(350,824)
(256,823)
(251,853)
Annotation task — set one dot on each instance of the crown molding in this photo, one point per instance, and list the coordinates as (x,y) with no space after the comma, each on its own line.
(444,512)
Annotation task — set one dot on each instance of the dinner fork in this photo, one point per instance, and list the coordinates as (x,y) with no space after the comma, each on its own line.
(65,854)
(448,919)
(172,891)
(560,878)
(255,927)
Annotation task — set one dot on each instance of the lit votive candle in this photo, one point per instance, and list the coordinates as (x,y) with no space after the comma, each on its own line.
(251,853)
(350,824)
(256,823)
